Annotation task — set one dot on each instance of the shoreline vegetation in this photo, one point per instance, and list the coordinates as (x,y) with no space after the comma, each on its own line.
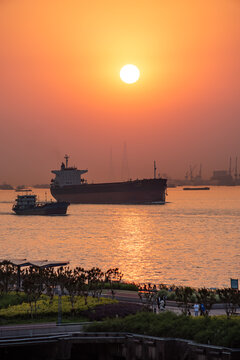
(216,330)
(78,295)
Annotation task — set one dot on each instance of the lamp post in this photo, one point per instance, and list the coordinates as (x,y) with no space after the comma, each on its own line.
(59,305)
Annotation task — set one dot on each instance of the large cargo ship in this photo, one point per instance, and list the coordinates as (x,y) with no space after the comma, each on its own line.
(69,186)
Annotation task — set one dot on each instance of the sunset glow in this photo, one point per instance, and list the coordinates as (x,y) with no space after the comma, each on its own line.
(129,73)
(61,91)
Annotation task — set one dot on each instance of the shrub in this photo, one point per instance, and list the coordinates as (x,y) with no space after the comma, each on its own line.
(219,331)
(114,310)
(12,298)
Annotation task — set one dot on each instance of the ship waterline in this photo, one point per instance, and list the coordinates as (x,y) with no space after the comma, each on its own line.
(132,192)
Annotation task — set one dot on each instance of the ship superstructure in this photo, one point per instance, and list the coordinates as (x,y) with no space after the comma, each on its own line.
(68,185)
(68,175)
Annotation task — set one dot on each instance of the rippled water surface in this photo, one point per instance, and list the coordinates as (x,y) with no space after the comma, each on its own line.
(191,240)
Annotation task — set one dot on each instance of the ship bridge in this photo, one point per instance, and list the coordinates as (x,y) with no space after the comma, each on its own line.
(68,175)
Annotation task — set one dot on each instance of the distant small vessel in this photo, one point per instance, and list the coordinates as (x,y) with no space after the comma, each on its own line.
(196,188)
(5,186)
(22,188)
(28,205)
(41,186)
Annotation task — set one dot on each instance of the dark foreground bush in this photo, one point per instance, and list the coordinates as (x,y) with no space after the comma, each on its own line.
(101,312)
(218,331)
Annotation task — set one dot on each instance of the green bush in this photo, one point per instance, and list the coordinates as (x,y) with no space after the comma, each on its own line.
(12,298)
(218,331)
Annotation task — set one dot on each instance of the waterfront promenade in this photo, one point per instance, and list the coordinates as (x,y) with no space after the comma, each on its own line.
(45,329)
(132,296)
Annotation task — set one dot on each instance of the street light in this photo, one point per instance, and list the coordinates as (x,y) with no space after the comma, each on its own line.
(59,291)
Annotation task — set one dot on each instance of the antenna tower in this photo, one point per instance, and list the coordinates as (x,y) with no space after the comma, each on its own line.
(125,170)
(230,166)
(236,170)
(111,169)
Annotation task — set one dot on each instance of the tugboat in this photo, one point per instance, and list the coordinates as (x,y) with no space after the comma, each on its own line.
(28,205)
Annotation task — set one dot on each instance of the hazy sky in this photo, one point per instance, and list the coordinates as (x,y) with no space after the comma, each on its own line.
(60,90)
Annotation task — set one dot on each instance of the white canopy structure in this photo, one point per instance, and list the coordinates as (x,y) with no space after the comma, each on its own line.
(41,264)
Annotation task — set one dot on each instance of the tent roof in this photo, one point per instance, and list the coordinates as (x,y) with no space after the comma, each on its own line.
(36,263)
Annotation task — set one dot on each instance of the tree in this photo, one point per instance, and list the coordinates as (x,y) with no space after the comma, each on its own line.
(148,294)
(95,281)
(231,298)
(62,278)
(69,282)
(113,276)
(207,298)
(82,287)
(184,298)
(8,276)
(33,286)
(50,282)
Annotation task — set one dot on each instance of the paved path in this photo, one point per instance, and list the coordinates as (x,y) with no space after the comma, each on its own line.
(132,296)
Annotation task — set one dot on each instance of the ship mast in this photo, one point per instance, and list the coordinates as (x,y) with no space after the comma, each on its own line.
(155,169)
(66,157)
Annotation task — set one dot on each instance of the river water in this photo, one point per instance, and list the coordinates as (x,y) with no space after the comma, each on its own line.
(191,240)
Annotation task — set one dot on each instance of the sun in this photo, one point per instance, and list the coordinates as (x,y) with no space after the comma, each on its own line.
(129,73)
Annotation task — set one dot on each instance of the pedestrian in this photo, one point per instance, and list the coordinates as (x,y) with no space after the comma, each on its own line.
(164,299)
(162,307)
(196,309)
(202,309)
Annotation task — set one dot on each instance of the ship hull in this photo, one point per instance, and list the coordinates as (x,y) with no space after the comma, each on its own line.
(58,208)
(129,192)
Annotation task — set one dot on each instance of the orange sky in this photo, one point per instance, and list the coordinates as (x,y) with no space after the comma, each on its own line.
(61,92)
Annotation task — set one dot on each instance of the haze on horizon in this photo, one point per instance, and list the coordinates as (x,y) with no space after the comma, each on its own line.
(61,91)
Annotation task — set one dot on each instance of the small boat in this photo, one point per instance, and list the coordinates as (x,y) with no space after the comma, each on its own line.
(21,188)
(196,188)
(5,186)
(28,205)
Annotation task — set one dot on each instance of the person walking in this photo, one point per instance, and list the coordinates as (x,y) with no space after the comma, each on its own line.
(196,309)
(202,309)
(162,307)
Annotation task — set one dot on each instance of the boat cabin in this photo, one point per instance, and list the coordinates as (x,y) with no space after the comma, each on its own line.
(26,201)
